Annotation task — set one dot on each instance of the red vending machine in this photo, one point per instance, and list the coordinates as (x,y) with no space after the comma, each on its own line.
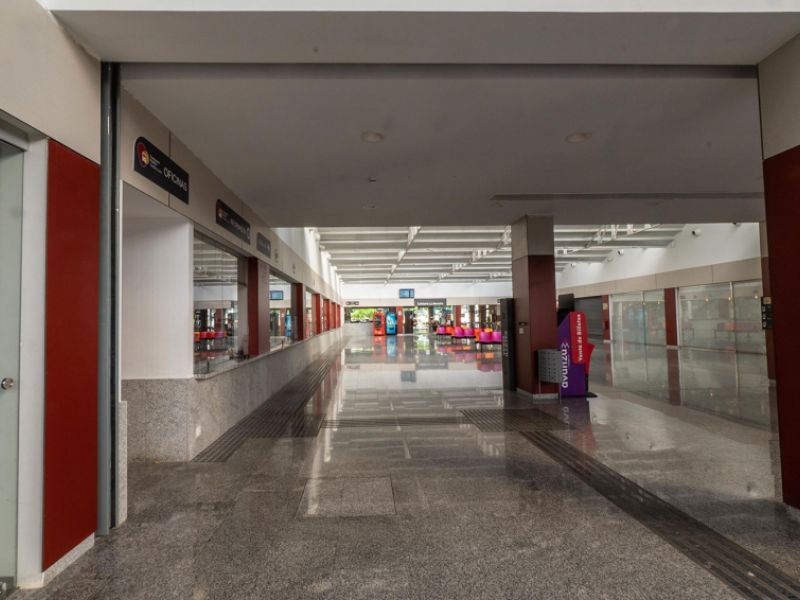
(379,323)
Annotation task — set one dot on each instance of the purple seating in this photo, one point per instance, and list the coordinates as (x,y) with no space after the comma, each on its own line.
(440,331)
(485,337)
(458,332)
(468,332)
(497,337)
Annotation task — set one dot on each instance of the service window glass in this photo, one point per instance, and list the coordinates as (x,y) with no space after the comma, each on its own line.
(281,323)
(219,285)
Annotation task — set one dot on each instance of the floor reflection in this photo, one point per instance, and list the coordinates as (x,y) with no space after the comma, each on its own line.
(732,385)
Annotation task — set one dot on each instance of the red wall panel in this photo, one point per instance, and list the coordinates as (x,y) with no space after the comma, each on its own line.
(781,192)
(70,432)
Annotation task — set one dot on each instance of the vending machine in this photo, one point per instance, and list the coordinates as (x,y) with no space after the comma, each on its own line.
(379,323)
(391,323)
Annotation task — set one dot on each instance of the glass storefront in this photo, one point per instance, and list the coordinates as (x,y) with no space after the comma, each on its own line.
(219,282)
(282,324)
(722,316)
(638,318)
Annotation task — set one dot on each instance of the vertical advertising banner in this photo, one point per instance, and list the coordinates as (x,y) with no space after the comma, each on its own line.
(573,374)
(577,325)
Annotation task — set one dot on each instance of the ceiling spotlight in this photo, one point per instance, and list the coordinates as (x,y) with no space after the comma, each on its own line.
(369,207)
(573,265)
(578,137)
(372,179)
(372,137)
(621,251)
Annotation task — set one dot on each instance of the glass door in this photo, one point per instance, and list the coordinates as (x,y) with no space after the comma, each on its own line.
(10,254)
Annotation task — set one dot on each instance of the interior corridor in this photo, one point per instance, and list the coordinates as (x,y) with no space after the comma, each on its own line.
(395,467)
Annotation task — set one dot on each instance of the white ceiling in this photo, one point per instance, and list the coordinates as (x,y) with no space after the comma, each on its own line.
(468,254)
(469,145)
(407,31)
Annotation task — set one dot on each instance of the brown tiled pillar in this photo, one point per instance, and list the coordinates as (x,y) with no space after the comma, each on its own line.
(317,314)
(782,189)
(457,315)
(769,337)
(671,316)
(257,307)
(299,311)
(534,287)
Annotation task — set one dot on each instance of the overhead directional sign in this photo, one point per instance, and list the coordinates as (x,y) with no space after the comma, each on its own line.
(159,168)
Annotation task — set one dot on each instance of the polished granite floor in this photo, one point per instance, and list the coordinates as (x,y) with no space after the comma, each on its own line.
(412,488)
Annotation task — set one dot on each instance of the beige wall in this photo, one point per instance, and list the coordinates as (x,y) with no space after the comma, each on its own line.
(46,80)
(204,190)
(779,91)
(740,270)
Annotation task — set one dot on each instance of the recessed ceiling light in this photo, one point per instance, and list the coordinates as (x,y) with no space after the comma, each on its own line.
(372,137)
(372,179)
(578,137)
(368,207)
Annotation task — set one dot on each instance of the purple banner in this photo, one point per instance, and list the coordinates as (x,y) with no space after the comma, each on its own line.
(573,376)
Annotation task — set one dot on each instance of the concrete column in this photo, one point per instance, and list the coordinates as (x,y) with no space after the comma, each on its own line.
(534,286)
(299,311)
(257,307)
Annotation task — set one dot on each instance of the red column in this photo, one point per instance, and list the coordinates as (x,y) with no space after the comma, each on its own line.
(257,306)
(328,316)
(782,188)
(606,319)
(317,314)
(534,285)
(671,315)
(298,311)
(457,315)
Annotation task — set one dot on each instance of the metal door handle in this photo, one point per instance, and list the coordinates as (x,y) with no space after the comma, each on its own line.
(7,383)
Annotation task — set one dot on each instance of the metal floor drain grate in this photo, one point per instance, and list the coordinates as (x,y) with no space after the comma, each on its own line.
(394,422)
(525,419)
(745,572)
(283,415)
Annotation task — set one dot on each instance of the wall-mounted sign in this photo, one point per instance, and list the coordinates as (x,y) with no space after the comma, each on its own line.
(430,301)
(351,303)
(766,312)
(264,245)
(229,219)
(159,168)
(276,295)
(406,293)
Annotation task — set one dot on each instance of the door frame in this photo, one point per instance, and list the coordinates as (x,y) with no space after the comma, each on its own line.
(30,481)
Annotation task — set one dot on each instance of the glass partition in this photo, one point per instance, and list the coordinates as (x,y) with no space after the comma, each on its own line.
(628,318)
(655,319)
(706,316)
(747,315)
(281,325)
(219,282)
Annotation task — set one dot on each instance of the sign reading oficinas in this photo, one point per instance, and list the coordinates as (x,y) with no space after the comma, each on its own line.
(159,168)
(264,245)
(229,219)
